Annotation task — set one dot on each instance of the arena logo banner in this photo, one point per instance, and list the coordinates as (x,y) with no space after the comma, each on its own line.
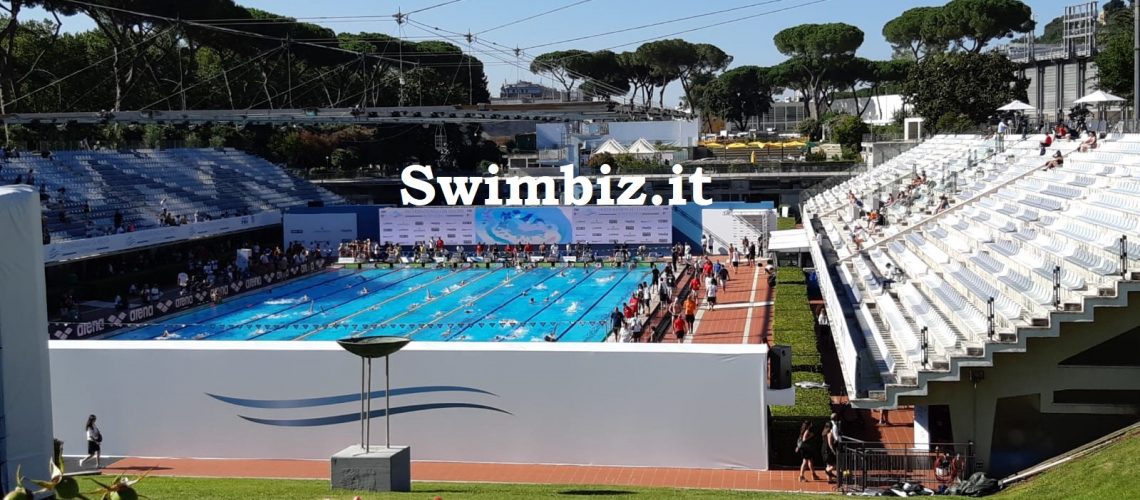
(577,190)
(143,313)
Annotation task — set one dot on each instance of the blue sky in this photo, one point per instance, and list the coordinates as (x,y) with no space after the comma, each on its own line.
(749,41)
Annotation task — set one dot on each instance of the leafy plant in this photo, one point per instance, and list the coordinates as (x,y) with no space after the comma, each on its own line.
(67,487)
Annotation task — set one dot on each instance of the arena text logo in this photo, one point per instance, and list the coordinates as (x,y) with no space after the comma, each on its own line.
(577,190)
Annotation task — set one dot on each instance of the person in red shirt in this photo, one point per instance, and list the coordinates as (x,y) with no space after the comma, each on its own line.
(694,284)
(633,303)
(439,244)
(528,249)
(627,311)
(478,249)
(679,327)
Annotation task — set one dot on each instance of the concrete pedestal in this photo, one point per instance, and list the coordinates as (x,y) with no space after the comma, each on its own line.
(377,469)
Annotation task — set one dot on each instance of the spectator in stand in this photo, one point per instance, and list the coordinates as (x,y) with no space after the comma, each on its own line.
(1057,161)
(1089,142)
(1045,143)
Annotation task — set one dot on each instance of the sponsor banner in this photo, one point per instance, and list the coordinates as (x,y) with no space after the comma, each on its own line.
(145,313)
(510,225)
(408,225)
(91,247)
(328,230)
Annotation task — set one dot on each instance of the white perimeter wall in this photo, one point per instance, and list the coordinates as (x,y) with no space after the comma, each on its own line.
(25,417)
(327,229)
(660,405)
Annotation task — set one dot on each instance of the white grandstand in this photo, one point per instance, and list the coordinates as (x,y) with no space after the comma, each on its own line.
(1019,251)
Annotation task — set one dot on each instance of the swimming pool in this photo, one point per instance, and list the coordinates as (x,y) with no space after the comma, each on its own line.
(482,305)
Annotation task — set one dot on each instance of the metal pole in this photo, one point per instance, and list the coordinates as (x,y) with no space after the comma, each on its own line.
(363,395)
(368,434)
(387,406)
(1135,61)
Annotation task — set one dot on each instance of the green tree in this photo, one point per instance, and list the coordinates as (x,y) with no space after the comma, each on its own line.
(971,24)
(738,94)
(603,73)
(969,84)
(814,51)
(640,76)
(917,31)
(679,60)
(847,130)
(558,65)
(1114,60)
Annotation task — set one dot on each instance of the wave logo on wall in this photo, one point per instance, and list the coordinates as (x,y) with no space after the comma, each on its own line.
(280,404)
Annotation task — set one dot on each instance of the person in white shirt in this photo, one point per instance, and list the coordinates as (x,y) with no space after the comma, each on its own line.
(712,295)
(94,442)
(624,334)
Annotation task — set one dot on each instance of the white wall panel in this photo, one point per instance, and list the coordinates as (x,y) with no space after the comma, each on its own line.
(613,404)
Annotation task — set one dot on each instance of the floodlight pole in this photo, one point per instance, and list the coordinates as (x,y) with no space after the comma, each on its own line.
(1135,64)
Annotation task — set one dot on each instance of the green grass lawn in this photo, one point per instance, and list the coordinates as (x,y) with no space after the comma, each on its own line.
(165,488)
(1107,473)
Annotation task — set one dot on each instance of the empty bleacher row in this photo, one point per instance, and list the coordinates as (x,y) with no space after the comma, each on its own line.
(84,189)
(933,289)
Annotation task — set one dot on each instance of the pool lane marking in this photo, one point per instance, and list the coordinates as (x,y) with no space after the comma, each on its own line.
(410,311)
(505,302)
(230,300)
(312,300)
(562,294)
(464,306)
(617,282)
(373,307)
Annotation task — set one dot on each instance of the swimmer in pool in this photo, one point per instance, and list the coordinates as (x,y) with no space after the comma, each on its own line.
(304,298)
(428,296)
(364,291)
(532,300)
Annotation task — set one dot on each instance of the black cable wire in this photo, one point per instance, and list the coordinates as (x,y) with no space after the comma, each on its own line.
(528,18)
(650,25)
(220,28)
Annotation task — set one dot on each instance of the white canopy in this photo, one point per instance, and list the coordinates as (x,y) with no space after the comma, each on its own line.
(1017,106)
(642,146)
(612,147)
(788,240)
(1098,97)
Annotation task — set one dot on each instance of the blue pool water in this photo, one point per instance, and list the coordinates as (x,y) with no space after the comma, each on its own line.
(483,305)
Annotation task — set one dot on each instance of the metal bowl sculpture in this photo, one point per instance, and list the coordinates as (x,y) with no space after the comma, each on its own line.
(376,346)
(368,348)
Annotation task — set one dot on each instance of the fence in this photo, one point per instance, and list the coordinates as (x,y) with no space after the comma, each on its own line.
(864,465)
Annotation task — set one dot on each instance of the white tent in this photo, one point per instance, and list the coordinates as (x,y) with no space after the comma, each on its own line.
(1017,106)
(788,240)
(1098,97)
(612,147)
(642,146)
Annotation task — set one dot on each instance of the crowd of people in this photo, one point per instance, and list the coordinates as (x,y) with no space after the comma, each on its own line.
(512,254)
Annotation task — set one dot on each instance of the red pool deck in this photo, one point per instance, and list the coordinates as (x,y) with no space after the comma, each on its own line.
(744,302)
(734,479)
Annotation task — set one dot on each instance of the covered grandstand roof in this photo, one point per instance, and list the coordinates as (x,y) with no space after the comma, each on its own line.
(548,112)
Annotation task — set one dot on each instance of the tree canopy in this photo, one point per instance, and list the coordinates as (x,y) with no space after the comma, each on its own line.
(917,30)
(814,52)
(1114,60)
(963,84)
